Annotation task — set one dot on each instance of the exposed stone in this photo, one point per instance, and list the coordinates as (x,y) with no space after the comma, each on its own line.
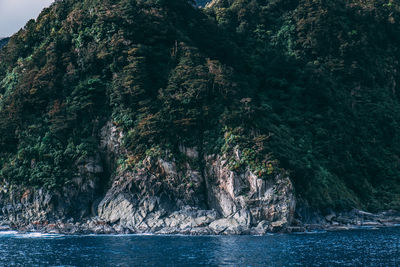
(225,226)
(262,228)
(330,217)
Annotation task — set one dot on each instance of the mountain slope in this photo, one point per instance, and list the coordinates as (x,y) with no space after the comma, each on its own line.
(138,111)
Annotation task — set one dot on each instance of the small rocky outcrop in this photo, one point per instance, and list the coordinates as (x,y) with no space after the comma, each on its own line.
(308,219)
(23,207)
(250,200)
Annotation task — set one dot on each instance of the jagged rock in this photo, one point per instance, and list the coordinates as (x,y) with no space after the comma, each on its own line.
(262,228)
(330,217)
(231,192)
(226,226)
(26,206)
(278,226)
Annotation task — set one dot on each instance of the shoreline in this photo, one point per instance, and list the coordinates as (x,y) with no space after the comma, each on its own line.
(346,221)
(10,231)
(354,219)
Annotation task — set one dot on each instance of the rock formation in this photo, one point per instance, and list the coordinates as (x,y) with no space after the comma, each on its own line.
(159,197)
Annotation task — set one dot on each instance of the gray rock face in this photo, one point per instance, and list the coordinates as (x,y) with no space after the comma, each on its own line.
(231,193)
(162,198)
(22,207)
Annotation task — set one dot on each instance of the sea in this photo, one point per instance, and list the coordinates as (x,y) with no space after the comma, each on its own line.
(360,247)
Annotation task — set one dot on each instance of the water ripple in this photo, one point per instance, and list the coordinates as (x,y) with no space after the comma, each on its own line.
(361,247)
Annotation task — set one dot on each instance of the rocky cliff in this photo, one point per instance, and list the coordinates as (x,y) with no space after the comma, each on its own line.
(161,196)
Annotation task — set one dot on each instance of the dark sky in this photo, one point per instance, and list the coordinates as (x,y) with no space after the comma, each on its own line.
(15,13)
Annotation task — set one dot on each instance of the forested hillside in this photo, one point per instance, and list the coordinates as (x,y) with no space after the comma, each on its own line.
(307,88)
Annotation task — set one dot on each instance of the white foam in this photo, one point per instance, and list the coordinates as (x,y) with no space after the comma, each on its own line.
(32,235)
(15,234)
(8,233)
(37,235)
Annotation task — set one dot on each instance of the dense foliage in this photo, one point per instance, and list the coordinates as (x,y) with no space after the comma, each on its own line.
(3,42)
(308,87)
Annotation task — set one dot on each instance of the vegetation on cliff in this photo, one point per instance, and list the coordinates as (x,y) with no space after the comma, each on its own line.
(308,87)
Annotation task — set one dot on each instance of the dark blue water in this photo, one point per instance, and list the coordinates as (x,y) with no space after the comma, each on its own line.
(346,248)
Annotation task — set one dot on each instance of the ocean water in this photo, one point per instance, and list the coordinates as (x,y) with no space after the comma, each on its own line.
(363,247)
